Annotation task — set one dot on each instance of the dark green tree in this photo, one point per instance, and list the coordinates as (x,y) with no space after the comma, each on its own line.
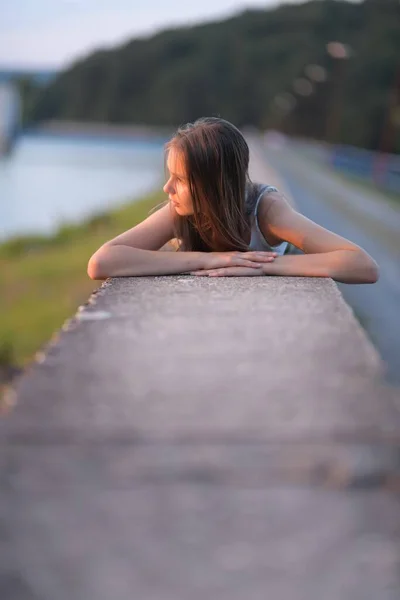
(236,67)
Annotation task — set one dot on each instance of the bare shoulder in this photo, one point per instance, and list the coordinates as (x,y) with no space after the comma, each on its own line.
(271,206)
(273,202)
(280,221)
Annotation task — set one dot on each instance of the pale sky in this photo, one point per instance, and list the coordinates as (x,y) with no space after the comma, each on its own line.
(53,33)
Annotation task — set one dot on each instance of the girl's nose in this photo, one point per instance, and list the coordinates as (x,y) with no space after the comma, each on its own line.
(167,187)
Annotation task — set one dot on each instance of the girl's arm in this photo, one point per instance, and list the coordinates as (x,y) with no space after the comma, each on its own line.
(135,253)
(124,261)
(326,253)
(346,266)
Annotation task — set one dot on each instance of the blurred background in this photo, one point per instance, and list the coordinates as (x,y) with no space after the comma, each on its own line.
(90,91)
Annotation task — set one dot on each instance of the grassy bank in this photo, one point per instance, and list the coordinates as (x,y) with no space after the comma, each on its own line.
(43,279)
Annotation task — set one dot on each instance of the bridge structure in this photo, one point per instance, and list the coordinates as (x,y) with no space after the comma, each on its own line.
(11,103)
(10,115)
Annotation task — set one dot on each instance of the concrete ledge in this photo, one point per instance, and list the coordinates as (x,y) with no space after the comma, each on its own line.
(265,356)
(190,438)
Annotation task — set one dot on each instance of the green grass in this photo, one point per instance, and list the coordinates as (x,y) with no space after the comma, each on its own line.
(43,279)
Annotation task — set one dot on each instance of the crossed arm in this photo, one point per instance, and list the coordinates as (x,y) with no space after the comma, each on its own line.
(326,254)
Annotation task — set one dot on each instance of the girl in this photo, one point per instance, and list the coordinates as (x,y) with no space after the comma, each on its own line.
(224,224)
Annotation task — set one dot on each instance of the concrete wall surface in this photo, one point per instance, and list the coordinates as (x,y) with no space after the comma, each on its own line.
(190,438)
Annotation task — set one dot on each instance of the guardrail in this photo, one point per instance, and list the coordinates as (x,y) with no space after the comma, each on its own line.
(379,168)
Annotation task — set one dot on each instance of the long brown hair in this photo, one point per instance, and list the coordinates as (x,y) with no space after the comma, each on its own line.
(216,158)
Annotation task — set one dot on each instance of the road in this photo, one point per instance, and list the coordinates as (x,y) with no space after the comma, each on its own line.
(367,219)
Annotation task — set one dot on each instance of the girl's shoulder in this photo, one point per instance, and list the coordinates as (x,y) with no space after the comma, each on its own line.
(254,192)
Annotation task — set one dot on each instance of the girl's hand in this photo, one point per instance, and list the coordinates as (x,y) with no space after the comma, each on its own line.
(252,260)
(230,272)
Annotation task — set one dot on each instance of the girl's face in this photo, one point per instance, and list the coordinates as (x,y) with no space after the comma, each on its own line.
(177,186)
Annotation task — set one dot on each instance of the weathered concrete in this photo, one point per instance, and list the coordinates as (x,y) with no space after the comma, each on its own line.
(263,339)
(187,438)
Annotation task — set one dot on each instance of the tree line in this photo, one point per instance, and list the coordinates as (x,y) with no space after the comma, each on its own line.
(240,68)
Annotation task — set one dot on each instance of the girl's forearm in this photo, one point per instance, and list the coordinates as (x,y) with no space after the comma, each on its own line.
(346,266)
(124,261)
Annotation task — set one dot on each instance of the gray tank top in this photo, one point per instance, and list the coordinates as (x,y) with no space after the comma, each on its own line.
(257,241)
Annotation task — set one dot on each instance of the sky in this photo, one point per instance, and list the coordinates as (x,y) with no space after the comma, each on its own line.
(54,33)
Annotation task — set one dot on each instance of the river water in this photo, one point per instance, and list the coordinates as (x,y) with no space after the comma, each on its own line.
(49,180)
